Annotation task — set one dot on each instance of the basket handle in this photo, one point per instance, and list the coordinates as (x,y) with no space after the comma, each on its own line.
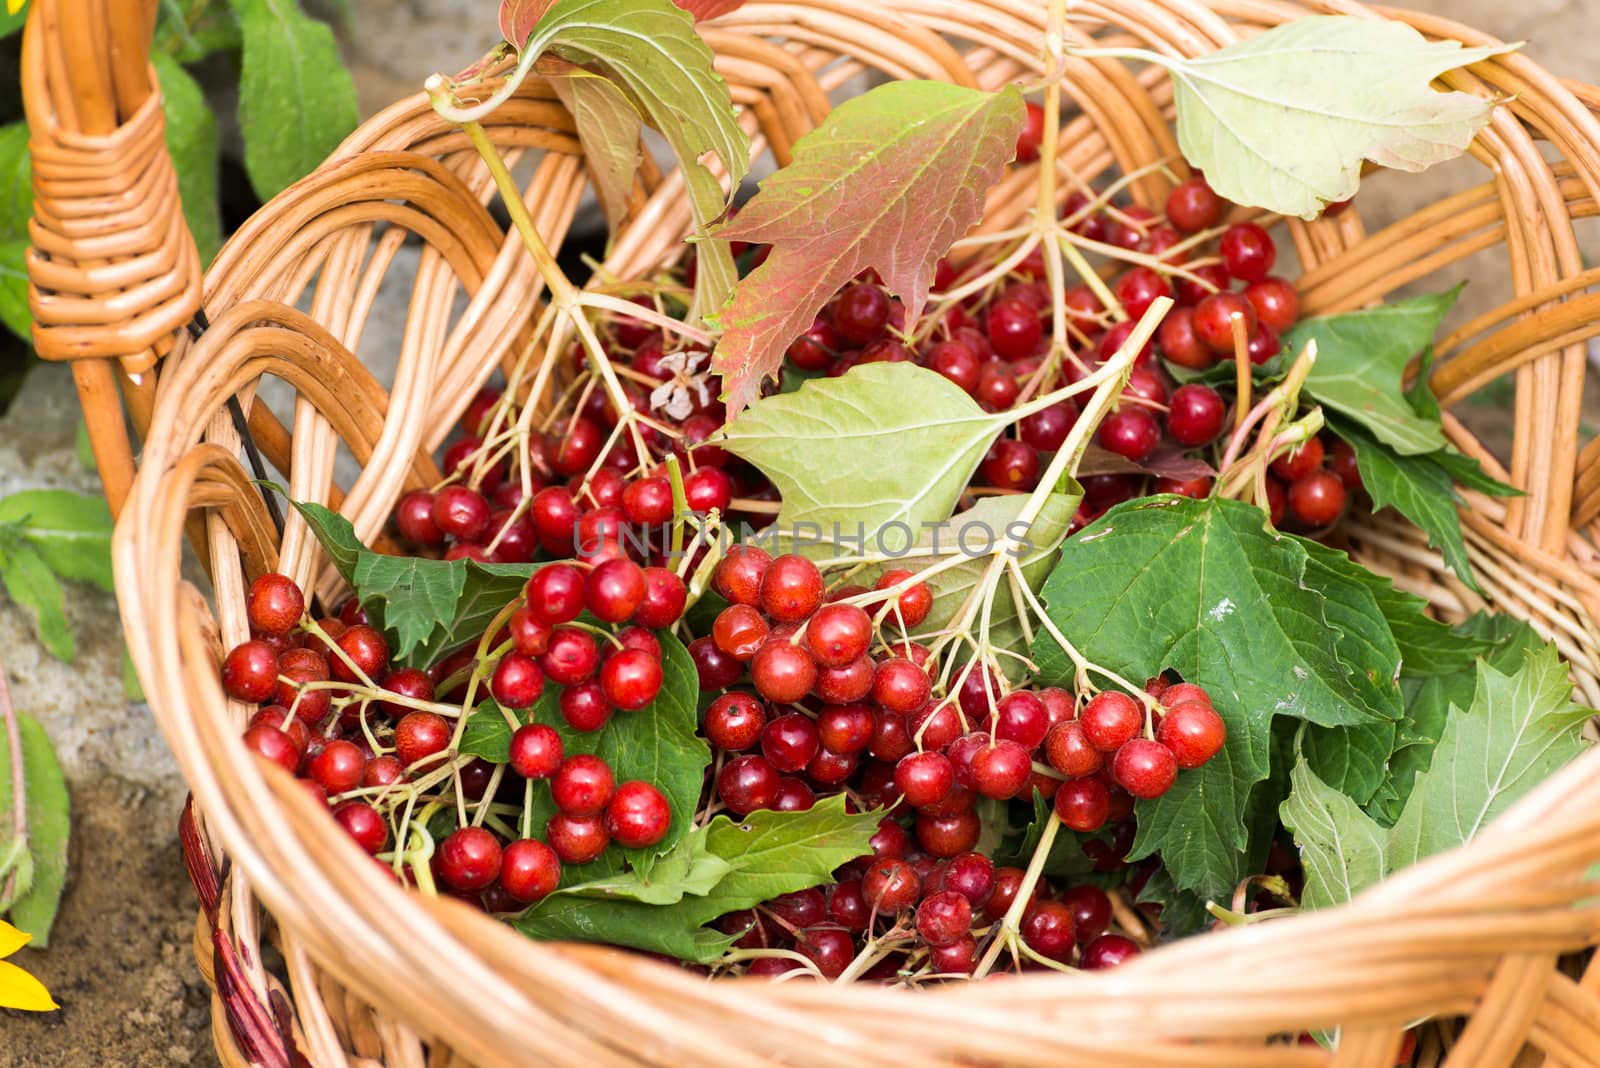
(113,272)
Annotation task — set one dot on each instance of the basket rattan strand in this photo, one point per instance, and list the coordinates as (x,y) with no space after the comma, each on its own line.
(378,976)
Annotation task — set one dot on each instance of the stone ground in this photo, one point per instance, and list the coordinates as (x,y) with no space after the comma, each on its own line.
(120,961)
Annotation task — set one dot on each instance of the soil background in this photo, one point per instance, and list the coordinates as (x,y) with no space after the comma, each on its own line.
(120,961)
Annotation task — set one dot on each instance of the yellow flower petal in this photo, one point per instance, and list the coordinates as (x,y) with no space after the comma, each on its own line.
(11,939)
(14,6)
(19,990)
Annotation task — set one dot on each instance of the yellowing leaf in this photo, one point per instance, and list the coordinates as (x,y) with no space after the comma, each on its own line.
(608,127)
(889,180)
(1283,120)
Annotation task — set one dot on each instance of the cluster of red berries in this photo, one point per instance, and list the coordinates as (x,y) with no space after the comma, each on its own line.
(1309,487)
(915,903)
(317,698)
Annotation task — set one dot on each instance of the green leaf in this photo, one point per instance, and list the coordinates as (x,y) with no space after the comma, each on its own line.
(49,825)
(14,310)
(12,21)
(650,49)
(70,531)
(656,744)
(1520,727)
(687,868)
(973,533)
(1204,588)
(1283,119)
(132,688)
(1467,472)
(924,434)
(770,853)
(192,143)
(1417,487)
(608,128)
(427,607)
(1361,358)
(84,447)
(189,36)
(29,582)
(888,181)
(16,182)
(296,100)
(1504,643)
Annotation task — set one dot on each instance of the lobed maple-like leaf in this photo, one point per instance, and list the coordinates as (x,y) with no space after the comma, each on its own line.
(888,181)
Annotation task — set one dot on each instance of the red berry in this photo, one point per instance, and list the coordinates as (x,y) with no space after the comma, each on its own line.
(1299,462)
(793,795)
(517,681)
(664,599)
(413,517)
(734,721)
(860,313)
(890,884)
(1011,464)
(637,815)
(555,593)
(714,669)
(529,870)
(1193,206)
(1001,770)
(275,745)
(915,601)
(1317,499)
(1048,429)
(1213,320)
(738,576)
(845,729)
(1139,288)
(1191,291)
(536,751)
(1070,753)
(1130,432)
(1107,951)
(956,361)
(1091,910)
(707,489)
(274,604)
(900,686)
(746,784)
(583,785)
(1022,718)
(1193,731)
(958,958)
(1083,804)
(1110,720)
(782,672)
(1144,768)
(838,634)
(250,672)
(1247,251)
(576,839)
(1276,303)
(614,589)
(791,589)
(648,501)
(1047,930)
(790,741)
(631,679)
(944,918)
(1031,136)
(530,635)
(420,735)
(1342,462)
(572,656)
(829,948)
(1195,414)
(584,706)
(461,513)
(1014,329)
(555,521)
(1180,344)
(469,859)
(924,778)
(362,822)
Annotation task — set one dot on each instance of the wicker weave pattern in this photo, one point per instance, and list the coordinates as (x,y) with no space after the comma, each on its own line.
(381,977)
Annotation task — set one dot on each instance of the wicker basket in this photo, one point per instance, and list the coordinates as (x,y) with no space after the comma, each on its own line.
(1480,939)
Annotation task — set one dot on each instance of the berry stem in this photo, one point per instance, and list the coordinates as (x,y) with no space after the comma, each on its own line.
(1006,933)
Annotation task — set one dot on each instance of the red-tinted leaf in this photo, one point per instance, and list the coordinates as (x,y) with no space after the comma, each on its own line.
(708,9)
(519,17)
(1168,461)
(890,180)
